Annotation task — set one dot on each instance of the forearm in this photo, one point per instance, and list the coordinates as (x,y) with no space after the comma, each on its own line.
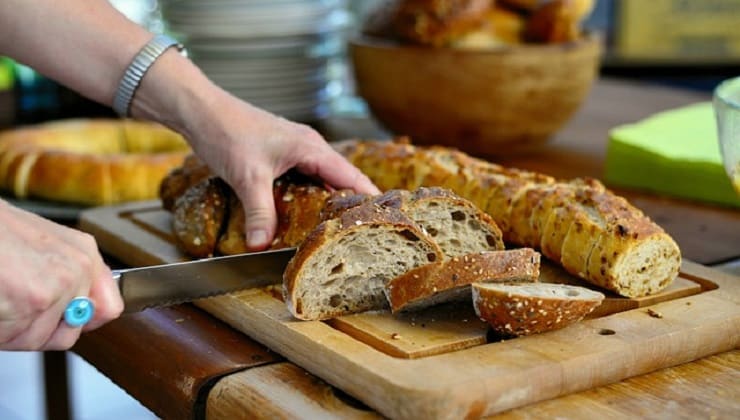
(83,44)
(86,45)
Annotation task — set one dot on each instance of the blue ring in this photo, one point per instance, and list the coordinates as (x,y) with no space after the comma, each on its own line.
(79,312)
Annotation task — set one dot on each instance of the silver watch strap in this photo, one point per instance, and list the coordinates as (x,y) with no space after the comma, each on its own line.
(138,67)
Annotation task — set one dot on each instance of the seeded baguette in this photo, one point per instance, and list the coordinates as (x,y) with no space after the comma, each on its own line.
(525,309)
(344,264)
(449,280)
(609,242)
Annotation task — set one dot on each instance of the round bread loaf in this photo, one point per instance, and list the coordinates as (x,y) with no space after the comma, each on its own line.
(89,162)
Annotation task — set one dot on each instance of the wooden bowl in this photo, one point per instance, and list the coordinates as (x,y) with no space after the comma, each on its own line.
(484,102)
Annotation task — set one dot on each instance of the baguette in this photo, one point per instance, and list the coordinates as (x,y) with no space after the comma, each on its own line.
(525,309)
(448,280)
(343,265)
(593,233)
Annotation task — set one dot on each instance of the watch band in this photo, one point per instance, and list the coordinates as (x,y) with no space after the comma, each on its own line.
(138,67)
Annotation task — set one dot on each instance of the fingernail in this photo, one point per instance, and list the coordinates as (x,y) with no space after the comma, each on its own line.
(256,238)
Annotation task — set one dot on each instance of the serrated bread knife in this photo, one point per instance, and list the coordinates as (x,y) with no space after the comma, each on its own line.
(169,284)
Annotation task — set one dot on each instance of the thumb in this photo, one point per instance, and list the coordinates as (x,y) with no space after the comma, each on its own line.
(259,212)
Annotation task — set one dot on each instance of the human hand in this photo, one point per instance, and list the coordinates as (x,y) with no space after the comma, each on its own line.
(249,148)
(44,266)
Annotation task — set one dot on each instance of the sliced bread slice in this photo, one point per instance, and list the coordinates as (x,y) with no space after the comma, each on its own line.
(454,223)
(448,280)
(524,309)
(344,264)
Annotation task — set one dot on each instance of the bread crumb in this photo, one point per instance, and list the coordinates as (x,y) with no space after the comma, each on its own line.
(396,336)
(654,313)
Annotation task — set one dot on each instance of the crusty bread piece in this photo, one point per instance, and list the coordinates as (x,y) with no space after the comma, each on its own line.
(531,308)
(394,164)
(631,254)
(641,262)
(447,280)
(298,208)
(343,265)
(453,222)
(178,180)
(431,22)
(199,215)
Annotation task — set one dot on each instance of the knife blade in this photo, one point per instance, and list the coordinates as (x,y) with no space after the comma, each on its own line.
(169,284)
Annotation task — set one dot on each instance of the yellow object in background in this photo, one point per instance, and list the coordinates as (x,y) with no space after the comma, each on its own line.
(678,31)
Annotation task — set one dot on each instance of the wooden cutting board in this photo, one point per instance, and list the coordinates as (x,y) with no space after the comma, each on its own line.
(443,362)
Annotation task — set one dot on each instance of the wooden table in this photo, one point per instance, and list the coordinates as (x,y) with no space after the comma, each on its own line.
(181,362)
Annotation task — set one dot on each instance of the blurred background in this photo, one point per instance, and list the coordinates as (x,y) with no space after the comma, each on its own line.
(290,57)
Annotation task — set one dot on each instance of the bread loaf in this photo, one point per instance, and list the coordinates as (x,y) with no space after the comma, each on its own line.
(450,279)
(579,224)
(531,308)
(593,233)
(343,265)
(89,162)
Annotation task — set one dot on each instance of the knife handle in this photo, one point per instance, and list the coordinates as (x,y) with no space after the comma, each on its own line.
(81,309)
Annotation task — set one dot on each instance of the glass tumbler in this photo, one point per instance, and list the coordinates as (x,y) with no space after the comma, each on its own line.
(727,110)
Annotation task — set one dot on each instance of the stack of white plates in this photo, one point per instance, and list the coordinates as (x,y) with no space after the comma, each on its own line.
(281,55)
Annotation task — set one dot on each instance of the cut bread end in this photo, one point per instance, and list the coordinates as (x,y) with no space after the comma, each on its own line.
(648,268)
(525,309)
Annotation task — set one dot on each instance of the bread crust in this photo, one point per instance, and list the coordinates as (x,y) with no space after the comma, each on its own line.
(199,216)
(89,162)
(513,312)
(450,279)
(179,179)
